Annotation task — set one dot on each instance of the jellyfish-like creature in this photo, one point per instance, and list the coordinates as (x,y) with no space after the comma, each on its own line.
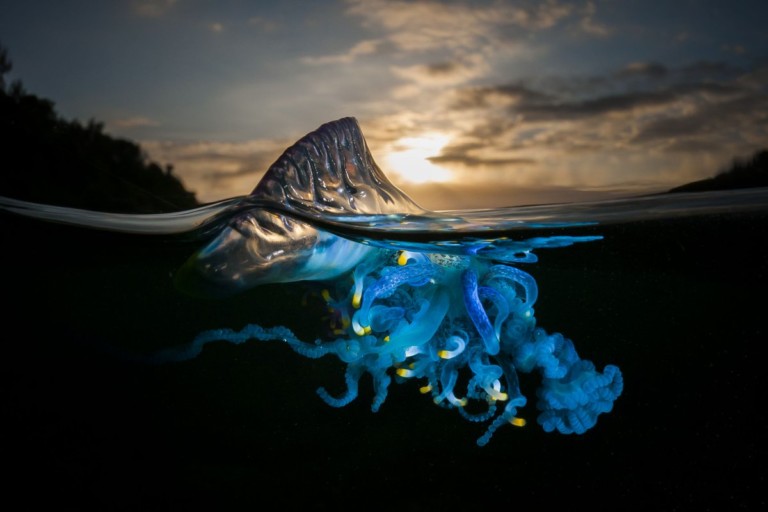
(435,318)
(456,315)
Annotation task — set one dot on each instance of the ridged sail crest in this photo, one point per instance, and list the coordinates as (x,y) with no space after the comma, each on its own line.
(331,170)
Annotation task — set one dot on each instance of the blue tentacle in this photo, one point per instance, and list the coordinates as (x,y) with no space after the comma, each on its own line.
(477,313)
(351,378)
(514,274)
(448,320)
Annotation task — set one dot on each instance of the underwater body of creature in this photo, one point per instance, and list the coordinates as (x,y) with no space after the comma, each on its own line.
(448,313)
(457,312)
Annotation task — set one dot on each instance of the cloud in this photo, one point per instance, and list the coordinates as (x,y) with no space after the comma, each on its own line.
(460,29)
(133,122)
(667,125)
(419,50)
(497,96)
(709,71)
(640,127)
(475,154)
(712,123)
(547,105)
(365,47)
(418,26)
(735,49)
(473,161)
(600,106)
(589,25)
(153,8)
(653,70)
(218,170)
(446,72)
(263,24)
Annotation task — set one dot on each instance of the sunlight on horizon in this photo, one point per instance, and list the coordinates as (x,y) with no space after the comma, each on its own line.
(408,157)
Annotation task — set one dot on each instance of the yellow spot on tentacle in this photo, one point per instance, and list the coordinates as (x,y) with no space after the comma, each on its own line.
(357,297)
(458,402)
(518,422)
(425,389)
(386,339)
(495,393)
(402,258)
(359,329)
(326,295)
(449,354)
(404,372)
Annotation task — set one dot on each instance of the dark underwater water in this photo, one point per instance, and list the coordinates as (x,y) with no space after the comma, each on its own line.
(677,302)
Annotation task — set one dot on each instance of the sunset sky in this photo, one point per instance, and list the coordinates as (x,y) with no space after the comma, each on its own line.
(463,104)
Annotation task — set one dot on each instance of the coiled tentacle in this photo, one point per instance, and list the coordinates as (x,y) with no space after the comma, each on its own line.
(449,320)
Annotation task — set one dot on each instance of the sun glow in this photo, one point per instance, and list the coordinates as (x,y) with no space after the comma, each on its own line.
(409,158)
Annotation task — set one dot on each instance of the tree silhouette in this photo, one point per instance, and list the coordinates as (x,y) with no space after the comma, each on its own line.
(52,160)
(743,173)
(5,66)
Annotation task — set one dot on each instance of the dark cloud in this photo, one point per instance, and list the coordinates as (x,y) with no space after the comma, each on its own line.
(652,70)
(691,145)
(482,97)
(735,49)
(594,107)
(473,161)
(706,70)
(625,102)
(641,78)
(685,106)
(443,72)
(466,154)
(541,105)
(707,89)
(645,118)
(728,119)
(441,68)
(671,127)
(491,128)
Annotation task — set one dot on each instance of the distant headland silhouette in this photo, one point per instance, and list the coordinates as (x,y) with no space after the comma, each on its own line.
(748,173)
(47,159)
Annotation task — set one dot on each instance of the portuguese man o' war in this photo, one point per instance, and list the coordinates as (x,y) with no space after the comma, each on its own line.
(457,315)
(413,295)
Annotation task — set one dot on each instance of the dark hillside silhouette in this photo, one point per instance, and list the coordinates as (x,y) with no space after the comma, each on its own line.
(47,159)
(749,173)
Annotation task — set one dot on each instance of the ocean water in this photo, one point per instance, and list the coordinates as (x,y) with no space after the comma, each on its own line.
(674,293)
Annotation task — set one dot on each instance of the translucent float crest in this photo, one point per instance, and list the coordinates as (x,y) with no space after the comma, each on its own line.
(456,314)
(328,172)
